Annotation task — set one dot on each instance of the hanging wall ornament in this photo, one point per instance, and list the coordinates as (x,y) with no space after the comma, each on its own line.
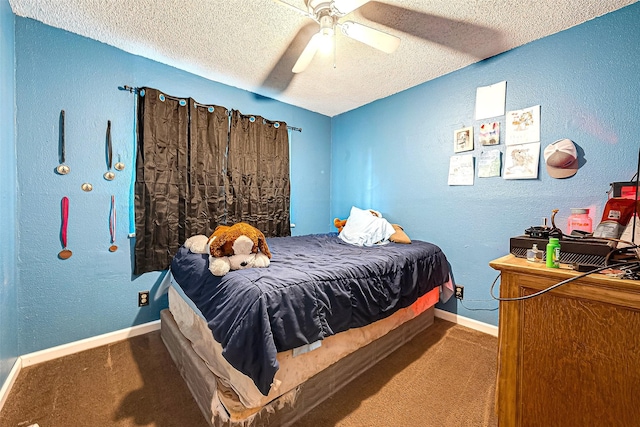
(109,175)
(62,169)
(119,165)
(112,225)
(64,253)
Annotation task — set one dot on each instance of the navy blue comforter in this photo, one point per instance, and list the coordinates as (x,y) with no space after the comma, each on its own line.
(316,286)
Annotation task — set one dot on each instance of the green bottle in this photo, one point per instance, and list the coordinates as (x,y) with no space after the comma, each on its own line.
(553,253)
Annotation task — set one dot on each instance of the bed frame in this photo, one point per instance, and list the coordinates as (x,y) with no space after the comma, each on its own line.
(291,406)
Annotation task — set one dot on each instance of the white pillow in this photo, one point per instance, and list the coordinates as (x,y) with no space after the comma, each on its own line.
(365,229)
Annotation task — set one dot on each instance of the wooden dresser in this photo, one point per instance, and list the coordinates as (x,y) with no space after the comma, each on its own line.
(570,357)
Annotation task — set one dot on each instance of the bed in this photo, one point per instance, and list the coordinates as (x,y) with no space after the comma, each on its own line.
(263,346)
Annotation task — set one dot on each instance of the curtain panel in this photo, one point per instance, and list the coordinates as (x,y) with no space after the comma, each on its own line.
(198,166)
(180,185)
(258,189)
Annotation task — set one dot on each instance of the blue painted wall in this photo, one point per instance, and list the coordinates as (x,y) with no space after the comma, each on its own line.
(8,230)
(93,292)
(393,155)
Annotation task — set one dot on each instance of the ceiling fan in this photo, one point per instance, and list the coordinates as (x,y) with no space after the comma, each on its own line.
(327,14)
(458,35)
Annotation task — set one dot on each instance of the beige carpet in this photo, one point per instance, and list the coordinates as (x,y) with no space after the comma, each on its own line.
(444,377)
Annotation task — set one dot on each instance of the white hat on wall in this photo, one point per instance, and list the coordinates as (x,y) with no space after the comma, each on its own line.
(561,158)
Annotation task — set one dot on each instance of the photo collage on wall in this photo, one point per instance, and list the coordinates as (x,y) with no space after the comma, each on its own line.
(521,140)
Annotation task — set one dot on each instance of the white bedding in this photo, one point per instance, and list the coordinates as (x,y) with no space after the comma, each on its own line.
(364,229)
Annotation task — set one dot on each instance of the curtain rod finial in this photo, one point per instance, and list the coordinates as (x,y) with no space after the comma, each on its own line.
(128,88)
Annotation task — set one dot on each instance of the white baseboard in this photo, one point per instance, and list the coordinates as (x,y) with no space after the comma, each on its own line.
(71,348)
(465,321)
(8,383)
(87,343)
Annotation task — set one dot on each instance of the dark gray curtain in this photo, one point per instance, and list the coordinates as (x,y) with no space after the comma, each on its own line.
(209,139)
(258,189)
(194,172)
(180,186)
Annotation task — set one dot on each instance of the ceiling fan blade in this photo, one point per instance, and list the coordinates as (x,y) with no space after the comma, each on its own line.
(345,7)
(478,41)
(292,7)
(367,35)
(307,54)
(280,76)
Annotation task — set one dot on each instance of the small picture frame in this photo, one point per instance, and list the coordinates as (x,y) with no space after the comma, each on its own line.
(490,133)
(463,139)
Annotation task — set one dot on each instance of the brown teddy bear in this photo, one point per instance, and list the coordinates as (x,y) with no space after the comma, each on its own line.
(232,248)
(339,224)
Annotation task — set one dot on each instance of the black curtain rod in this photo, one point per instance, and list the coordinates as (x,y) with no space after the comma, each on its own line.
(131,89)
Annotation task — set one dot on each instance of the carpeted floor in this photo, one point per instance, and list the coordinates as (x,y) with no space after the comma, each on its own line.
(444,377)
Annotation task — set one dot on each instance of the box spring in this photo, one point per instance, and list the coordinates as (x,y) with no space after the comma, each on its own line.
(293,404)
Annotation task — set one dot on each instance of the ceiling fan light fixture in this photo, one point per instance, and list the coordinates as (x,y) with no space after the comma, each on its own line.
(327,32)
(327,25)
(325,45)
(327,22)
(327,14)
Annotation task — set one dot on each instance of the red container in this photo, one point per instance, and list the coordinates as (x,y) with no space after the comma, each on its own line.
(580,220)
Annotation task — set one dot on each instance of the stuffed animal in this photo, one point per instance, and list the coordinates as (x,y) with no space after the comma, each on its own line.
(224,238)
(198,244)
(232,248)
(339,224)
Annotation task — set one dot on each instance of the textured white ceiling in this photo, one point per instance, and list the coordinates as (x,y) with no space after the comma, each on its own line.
(252,44)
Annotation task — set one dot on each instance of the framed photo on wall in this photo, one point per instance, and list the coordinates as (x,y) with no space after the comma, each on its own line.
(463,140)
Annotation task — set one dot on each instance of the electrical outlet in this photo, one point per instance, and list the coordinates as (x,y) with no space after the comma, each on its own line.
(459,292)
(143,298)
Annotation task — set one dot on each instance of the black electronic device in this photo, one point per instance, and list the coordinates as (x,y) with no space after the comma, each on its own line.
(542,232)
(572,251)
